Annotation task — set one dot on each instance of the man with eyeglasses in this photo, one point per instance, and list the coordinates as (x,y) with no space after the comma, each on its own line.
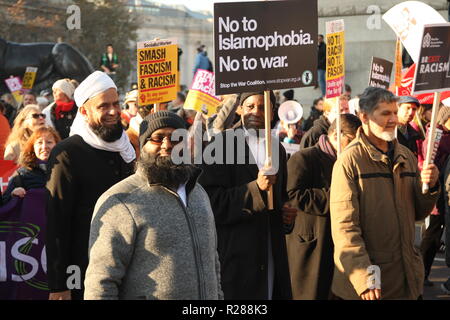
(97,155)
(153,234)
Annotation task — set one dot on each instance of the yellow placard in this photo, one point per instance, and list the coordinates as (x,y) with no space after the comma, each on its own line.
(18,96)
(201,102)
(29,78)
(157,64)
(201,95)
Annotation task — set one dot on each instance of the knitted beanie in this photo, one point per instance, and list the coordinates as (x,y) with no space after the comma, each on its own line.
(158,120)
(65,86)
(245,95)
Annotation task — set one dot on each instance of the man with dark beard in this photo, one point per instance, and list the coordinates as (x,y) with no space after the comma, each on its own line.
(153,234)
(97,155)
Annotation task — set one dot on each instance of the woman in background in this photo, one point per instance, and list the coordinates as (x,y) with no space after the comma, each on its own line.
(27,121)
(32,161)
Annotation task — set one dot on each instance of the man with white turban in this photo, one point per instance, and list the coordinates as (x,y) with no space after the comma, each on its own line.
(97,155)
(61,113)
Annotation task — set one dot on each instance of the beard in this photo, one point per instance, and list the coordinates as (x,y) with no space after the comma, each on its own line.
(386,136)
(162,170)
(108,134)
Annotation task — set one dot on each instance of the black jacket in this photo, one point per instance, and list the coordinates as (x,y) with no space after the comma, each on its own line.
(411,141)
(313,116)
(63,124)
(78,175)
(310,245)
(27,179)
(319,128)
(243,223)
(322,56)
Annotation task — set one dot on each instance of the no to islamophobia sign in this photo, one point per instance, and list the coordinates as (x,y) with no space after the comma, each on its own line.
(157,63)
(433,67)
(252,54)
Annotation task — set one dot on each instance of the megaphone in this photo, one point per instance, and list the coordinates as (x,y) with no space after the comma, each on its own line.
(290,112)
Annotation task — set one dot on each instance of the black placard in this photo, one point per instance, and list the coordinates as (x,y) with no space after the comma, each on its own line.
(265,45)
(433,67)
(380,73)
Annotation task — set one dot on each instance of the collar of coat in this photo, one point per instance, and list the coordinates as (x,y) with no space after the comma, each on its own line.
(400,154)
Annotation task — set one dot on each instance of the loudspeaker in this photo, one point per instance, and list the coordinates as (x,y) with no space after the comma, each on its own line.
(290,112)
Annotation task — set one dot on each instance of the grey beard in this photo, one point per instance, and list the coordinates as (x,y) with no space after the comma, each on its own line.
(162,170)
(108,134)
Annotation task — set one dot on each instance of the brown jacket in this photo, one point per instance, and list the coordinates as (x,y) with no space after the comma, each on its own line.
(374,206)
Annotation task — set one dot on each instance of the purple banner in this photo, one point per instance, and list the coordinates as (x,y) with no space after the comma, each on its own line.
(23,261)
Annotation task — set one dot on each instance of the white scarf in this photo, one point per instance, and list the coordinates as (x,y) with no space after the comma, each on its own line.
(123,145)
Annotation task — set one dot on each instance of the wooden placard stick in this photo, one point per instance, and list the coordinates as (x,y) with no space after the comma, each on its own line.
(432,136)
(156,107)
(338,126)
(267,122)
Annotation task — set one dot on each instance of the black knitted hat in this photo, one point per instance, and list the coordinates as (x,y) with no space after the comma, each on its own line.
(158,120)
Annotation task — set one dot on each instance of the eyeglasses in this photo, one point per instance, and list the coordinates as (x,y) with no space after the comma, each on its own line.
(158,140)
(38,115)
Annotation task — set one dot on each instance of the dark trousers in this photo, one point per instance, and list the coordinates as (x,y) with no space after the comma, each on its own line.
(431,241)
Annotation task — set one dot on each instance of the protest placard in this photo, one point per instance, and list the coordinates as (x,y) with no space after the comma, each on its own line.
(201,95)
(398,66)
(7,170)
(380,73)
(335,73)
(254,55)
(406,88)
(23,261)
(157,64)
(14,85)
(290,148)
(433,68)
(407,19)
(29,78)
(433,75)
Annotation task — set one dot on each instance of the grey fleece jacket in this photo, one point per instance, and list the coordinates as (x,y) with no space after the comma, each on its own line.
(145,244)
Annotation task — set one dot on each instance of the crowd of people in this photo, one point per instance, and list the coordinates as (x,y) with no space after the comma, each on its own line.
(139,225)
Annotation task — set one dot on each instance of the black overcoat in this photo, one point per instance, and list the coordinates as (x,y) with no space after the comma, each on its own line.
(78,175)
(244,224)
(310,245)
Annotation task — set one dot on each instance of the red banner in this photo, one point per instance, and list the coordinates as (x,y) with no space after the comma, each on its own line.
(7,169)
(406,88)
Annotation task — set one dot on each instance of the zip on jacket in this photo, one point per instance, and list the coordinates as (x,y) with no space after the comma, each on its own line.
(194,237)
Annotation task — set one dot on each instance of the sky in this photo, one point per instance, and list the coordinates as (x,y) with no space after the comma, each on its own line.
(199,5)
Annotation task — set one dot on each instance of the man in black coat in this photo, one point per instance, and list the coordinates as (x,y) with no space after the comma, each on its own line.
(310,246)
(321,63)
(316,112)
(96,156)
(251,238)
